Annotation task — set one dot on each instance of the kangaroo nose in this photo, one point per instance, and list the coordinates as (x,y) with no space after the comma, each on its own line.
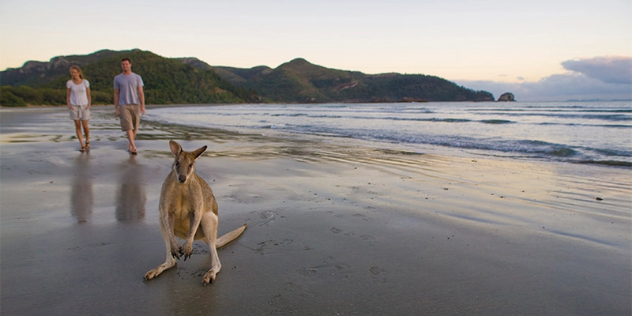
(182,178)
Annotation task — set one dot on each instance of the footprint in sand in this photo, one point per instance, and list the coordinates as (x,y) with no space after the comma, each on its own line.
(370,239)
(308,272)
(378,274)
(336,230)
(362,216)
(267,217)
(292,287)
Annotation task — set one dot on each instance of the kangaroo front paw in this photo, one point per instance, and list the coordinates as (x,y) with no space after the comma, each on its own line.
(176,250)
(187,250)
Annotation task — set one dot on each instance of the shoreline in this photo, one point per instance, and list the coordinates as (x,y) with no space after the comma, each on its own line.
(333,228)
(551,152)
(392,102)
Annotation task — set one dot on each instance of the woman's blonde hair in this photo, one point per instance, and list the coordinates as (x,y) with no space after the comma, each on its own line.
(78,70)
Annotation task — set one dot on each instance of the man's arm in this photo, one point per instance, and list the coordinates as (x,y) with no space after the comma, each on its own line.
(141,98)
(116,100)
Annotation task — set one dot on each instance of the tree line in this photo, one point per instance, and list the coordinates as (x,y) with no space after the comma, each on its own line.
(167,81)
(191,81)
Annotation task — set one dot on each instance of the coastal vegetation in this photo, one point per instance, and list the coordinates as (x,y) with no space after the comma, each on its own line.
(167,81)
(299,81)
(192,81)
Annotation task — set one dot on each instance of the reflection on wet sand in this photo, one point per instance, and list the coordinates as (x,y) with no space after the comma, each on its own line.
(130,196)
(81,198)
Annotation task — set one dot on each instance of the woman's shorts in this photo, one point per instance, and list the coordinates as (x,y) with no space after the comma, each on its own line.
(80,112)
(130,117)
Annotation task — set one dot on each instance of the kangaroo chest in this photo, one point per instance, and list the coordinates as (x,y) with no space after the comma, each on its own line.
(183,209)
(184,203)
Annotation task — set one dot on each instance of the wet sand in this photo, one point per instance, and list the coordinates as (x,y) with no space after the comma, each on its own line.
(335,228)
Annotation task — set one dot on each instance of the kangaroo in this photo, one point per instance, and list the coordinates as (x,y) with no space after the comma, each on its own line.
(188,210)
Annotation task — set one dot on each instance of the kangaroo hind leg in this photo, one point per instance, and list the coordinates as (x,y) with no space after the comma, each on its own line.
(209,225)
(170,262)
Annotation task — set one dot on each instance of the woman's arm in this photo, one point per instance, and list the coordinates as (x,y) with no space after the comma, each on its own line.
(68,98)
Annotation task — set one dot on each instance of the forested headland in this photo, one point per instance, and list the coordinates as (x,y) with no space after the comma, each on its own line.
(192,81)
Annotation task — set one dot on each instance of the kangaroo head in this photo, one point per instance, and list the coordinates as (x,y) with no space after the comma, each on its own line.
(184,163)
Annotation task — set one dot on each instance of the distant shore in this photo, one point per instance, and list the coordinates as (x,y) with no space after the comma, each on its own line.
(391,102)
(333,229)
(220,104)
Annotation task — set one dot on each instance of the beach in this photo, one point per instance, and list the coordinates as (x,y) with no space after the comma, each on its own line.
(334,227)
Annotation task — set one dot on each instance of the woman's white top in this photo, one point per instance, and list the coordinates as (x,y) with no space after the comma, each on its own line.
(78,92)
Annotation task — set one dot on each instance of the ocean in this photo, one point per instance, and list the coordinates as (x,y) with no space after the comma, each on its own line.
(573,132)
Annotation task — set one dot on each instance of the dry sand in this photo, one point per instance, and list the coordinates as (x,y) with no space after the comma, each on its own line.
(334,228)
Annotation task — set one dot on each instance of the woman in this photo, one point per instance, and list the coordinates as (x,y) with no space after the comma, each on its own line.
(78,100)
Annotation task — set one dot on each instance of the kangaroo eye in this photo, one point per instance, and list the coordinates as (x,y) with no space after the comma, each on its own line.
(177,164)
(191,165)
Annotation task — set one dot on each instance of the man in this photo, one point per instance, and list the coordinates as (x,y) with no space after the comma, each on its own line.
(129,101)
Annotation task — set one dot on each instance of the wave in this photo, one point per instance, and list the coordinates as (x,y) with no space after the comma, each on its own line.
(290,115)
(574,116)
(612,152)
(520,146)
(608,163)
(613,118)
(541,110)
(585,125)
(497,122)
(517,148)
(409,119)
(433,119)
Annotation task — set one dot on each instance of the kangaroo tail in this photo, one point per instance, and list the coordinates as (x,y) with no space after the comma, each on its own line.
(228,237)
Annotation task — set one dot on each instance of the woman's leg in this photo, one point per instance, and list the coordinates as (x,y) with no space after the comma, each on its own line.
(79,134)
(86,130)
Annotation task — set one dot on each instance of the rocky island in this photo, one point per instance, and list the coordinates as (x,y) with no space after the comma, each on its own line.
(507,97)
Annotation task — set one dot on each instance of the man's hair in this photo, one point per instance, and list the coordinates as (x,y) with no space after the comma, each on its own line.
(124,59)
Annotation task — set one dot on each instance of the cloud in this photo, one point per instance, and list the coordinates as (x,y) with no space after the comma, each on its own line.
(617,69)
(605,78)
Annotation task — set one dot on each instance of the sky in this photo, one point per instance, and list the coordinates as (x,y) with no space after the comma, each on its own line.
(541,50)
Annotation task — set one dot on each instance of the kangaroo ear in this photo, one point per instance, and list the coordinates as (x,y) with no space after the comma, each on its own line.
(199,151)
(175,147)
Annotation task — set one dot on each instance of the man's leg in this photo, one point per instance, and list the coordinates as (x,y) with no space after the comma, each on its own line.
(127,126)
(130,137)
(135,125)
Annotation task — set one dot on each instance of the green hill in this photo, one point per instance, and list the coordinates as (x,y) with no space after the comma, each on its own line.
(237,76)
(38,73)
(167,81)
(190,80)
(299,81)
